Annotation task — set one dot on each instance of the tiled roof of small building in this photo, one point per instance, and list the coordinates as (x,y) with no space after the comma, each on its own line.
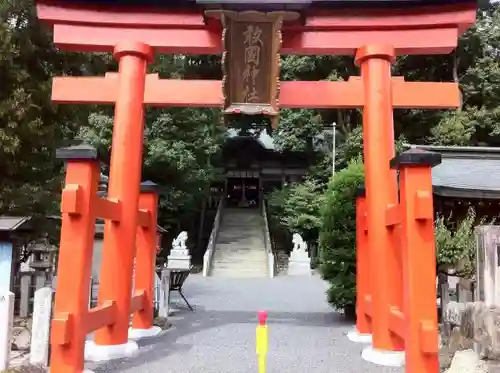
(12,223)
(466,171)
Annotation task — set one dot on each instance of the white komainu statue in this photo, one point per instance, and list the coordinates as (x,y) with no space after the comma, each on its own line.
(298,243)
(299,262)
(179,243)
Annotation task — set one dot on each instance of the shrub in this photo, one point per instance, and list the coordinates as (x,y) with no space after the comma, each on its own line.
(296,209)
(456,248)
(337,239)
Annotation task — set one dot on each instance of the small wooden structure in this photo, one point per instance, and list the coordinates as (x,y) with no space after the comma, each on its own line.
(10,227)
(469,176)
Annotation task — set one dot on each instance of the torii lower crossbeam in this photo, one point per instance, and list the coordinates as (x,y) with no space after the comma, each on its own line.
(294,94)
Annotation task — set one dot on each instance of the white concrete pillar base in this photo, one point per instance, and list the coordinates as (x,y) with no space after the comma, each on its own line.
(95,352)
(136,334)
(383,357)
(356,337)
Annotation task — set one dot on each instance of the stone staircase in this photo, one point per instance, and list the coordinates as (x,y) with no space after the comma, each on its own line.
(240,250)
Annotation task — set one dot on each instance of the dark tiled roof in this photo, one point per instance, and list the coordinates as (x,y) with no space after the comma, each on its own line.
(12,223)
(467,171)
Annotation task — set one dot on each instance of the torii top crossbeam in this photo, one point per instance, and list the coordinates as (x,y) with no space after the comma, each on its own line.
(321,28)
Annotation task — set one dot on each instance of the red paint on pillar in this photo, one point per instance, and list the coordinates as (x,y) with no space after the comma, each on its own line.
(146,261)
(69,326)
(419,254)
(124,180)
(363,320)
(381,189)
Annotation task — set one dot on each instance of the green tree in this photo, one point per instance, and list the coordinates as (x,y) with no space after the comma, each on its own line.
(180,145)
(177,156)
(31,127)
(296,208)
(337,238)
(456,245)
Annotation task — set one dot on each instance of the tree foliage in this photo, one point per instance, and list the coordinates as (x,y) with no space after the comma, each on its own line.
(456,247)
(296,209)
(337,238)
(176,155)
(31,127)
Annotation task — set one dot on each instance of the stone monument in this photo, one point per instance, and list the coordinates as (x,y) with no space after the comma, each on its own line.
(164,294)
(41,327)
(299,263)
(179,257)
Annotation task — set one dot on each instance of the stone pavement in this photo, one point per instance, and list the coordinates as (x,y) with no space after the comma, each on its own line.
(305,334)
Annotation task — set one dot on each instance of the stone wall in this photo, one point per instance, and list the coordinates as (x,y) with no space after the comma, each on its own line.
(473,325)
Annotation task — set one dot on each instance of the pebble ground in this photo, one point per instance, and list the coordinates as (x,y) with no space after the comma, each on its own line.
(305,334)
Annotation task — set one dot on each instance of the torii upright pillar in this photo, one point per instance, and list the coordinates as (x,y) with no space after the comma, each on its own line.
(124,185)
(381,190)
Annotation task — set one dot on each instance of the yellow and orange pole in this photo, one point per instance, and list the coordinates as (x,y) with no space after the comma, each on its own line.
(262,341)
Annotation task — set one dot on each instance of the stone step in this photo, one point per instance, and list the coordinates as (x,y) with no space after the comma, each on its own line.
(228,248)
(259,269)
(238,274)
(240,248)
(246,250)
(239,261)
(239,237)
(244,228)
(244,246)
(239,256)
(257,245)
(233,263)
(232,250)
(243,260)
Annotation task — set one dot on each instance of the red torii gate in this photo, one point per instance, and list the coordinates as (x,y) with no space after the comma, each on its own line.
(375,37)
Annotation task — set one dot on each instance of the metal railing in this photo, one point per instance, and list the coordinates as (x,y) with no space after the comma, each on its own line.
(94,289)
(212,241)
(268,245)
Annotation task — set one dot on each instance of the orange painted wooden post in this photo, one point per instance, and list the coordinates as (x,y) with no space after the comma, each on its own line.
(381,190)
(75,259)
(419,259)
(146,257)
(363,291)
(124,179)
(363,320)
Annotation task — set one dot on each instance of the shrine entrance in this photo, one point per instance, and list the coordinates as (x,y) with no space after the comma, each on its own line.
(243,192)
(251,41)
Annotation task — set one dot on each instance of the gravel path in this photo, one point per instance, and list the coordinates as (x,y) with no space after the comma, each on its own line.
(305,335)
